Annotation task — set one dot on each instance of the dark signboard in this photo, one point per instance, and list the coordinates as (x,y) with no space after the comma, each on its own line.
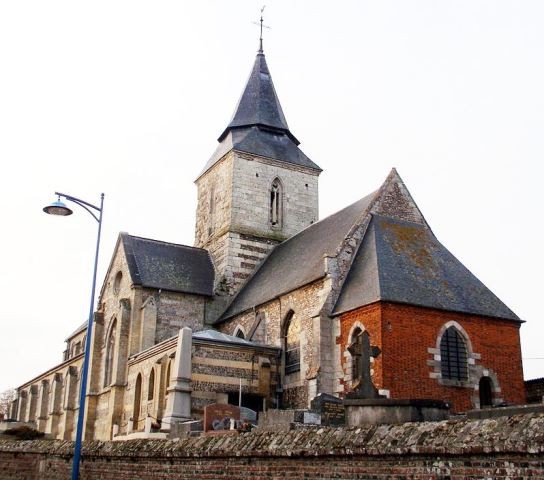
(331,410)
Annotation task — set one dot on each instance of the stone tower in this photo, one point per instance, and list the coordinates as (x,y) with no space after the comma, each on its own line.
(257,189)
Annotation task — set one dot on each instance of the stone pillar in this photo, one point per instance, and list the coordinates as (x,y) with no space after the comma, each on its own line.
(22,396)
(178,408)
(33,407)
(43,407)
(13,409)
(70,399)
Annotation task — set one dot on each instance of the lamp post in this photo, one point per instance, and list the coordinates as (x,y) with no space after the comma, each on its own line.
(59,208)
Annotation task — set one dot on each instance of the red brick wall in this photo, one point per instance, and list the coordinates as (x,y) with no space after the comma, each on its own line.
(30,466)
(404,333)
(371,319)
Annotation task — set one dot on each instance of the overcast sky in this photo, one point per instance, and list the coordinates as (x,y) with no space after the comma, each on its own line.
(129,97)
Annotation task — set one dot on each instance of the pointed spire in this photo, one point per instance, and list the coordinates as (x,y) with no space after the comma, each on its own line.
(259,104)
(261,37)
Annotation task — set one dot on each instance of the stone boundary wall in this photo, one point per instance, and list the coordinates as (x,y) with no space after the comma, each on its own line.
(499,448)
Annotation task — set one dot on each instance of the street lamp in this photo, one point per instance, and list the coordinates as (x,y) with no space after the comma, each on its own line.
(59,208)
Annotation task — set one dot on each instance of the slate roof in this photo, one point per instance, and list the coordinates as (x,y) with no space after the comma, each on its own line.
(298,260)
(403,262)
(259,103)
(258,125)
(168,266)
(397,261)
(79,329)
(215,336)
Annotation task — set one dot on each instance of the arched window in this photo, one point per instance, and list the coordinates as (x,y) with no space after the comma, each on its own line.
(355,348)
(276,199)
(168,374)
(292,343)
(151,385)
(110,351)
(239,333)
(137,399)
(486,392)
(453,355)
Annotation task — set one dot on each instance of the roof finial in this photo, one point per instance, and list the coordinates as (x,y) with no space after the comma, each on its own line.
(261,25)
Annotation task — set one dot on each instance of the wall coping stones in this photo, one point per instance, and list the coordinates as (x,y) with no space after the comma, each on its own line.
(520,434)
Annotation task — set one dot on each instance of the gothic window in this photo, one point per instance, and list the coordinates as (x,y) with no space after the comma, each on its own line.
(355,346)
(453,355)
(239,333)
(110,351)
(276,200)
(292,343)
(151,385)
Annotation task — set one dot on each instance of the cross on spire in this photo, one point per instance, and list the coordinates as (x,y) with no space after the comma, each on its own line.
(260,23)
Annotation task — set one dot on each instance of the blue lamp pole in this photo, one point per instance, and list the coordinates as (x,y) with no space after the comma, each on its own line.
(59,208)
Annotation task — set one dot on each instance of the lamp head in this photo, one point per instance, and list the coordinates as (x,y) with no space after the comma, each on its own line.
(58,208)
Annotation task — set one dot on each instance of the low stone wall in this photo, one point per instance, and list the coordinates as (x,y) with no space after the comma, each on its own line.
(499,448)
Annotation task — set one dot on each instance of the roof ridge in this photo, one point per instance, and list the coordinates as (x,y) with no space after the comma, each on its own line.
(166,243)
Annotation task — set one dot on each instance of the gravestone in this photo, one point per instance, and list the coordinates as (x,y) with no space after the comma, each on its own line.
(218,416)
(311,418)
(248,415)
(330,408)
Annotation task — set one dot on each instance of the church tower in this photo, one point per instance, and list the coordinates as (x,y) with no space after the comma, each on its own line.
(257,189)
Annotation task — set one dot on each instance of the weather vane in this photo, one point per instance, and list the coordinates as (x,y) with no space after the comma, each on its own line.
(261,25)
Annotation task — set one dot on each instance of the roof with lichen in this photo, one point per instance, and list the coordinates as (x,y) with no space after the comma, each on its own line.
(403,262)
(397,258)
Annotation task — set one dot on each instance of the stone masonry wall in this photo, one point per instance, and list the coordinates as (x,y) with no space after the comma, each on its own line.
(253,177)
(267,322)
(502,448)
(178,310)
(233,213)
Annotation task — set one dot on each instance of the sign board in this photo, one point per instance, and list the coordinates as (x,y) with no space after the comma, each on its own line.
(330,408)
(218,416)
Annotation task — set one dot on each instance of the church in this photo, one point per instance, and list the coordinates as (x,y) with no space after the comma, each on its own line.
(273,302)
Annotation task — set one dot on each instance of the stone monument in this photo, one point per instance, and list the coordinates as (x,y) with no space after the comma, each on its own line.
(364,404)
(178,408)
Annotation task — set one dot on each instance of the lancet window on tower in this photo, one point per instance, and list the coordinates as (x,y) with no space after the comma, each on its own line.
(276,199)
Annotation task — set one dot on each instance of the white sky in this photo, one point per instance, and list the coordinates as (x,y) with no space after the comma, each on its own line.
(128,97)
